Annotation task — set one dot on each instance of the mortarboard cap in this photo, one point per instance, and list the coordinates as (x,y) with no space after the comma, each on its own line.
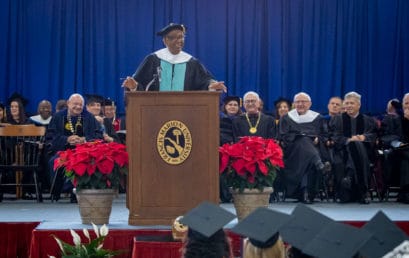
(171,26)
(262,226)
(227,99)
(93,98)
(386,235)
(19,97)
(207,219)
(305,223)
(108,102)
(281,99)
(337,240)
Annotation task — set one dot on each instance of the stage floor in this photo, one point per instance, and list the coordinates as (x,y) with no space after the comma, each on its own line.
(63,214)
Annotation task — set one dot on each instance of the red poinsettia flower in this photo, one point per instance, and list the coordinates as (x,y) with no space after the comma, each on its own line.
(95,165)
(250,163)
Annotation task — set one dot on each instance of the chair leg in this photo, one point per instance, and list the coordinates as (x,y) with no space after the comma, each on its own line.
(39,194)
(53,186)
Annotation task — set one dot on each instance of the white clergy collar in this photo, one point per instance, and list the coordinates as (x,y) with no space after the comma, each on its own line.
(309,116)
(166,55)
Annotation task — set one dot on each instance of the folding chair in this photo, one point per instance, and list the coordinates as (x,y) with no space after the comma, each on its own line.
(20,149)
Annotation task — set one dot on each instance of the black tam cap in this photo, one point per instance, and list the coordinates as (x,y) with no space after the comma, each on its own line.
(386,236)
(93,98)
(281,99)
(262,226)
(171,26)
(227,99)
(305,223)
(207,219)
(108,102)
(396,104)
(18,97)
(337,240)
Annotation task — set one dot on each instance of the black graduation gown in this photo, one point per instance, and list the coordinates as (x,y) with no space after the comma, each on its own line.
(396,128)
(266,127)
(300,153)
(197,77)
(352,159)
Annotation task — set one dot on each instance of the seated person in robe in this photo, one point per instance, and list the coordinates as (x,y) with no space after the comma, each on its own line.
(395,139)
(301,131)
(44,111)
(94,106)
(354,135)
(253,122)
(66,129)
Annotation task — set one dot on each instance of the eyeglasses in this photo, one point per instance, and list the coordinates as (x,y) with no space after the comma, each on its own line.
(301,101)
(172,38)
(250,101)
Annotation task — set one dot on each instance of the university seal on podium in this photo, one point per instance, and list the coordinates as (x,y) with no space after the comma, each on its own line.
(174,142)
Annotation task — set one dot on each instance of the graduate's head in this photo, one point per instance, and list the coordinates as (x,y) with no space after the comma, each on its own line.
(206,237)
(251,102)
(173,36)
(302,102)
(352,103)
(261,228)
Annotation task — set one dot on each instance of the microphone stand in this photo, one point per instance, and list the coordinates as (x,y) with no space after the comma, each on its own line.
(151,82)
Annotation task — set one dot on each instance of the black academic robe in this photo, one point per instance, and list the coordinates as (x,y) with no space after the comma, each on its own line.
(57,134)
(109,129)
(396,166)
(266,127)
(301,155)
(197,77)
(352,159)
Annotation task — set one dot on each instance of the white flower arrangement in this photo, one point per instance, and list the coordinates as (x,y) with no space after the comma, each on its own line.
(94,248)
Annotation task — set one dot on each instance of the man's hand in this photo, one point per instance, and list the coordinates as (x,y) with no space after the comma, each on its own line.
(75,139)
(130,83)
(218,86)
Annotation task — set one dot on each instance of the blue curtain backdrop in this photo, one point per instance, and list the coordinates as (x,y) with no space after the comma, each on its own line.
(52,48)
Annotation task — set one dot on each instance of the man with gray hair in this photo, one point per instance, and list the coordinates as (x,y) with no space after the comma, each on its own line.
(301,132)
(354,135)
(253,122)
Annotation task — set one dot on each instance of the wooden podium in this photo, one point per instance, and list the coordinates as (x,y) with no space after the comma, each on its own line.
(172,140)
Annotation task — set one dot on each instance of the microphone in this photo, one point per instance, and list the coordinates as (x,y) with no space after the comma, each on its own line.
(159,73)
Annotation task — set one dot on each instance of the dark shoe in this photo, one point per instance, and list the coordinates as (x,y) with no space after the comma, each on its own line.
(403,198)
(305,198)
(28,196)
(73,198)
(364,200)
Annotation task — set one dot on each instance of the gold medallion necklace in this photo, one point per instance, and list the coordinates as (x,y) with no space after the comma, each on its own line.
(253,129)
(71,127)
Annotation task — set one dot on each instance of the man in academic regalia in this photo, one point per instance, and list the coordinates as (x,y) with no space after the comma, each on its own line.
(354,135)
(395,136)
(301,131)
(253,122)
(170,68)
(68,128)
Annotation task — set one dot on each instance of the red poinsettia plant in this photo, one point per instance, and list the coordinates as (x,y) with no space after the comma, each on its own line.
(94,165)
(251,163)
